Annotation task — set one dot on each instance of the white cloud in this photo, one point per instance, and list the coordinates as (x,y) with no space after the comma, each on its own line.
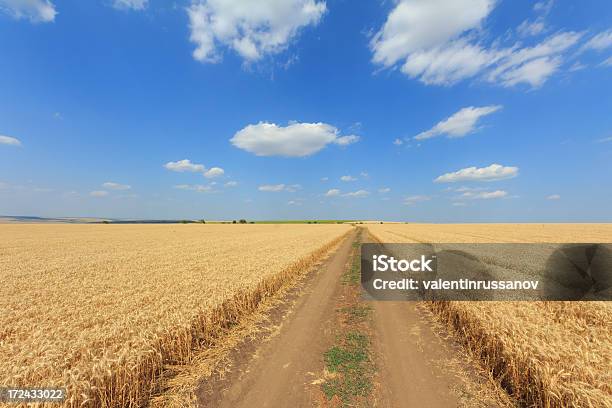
(415,199)
(493,172)
(346,140)
(604,140)
(415,25)
(348,178)
(531,28)
(438,42)
(276,188)
(607,62)
(398,142)
(600,42)
(116,186)
(214,172)
(99,193)
(334,192)
(130,4)
(460,123)
(37,11)
(183,166)
(231,184)
(553,197)
(544,6)
(384,190)
(484,195)
(197,188)
(358,194)
(253,29)
(11,141)
(324,178)
(458,204)
(533,65)
(293,140)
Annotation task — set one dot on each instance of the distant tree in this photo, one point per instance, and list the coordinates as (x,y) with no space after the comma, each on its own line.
(381,222)
(184,222)
(203,221)
(242,221)
(234,221)
(105,222)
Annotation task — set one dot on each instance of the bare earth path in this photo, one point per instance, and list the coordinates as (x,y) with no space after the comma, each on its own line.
(410,357)
(284,366)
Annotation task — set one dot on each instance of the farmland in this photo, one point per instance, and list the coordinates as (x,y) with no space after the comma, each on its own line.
(100,309)
(548,354)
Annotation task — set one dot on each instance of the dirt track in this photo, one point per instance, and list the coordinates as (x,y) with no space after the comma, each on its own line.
(281,370)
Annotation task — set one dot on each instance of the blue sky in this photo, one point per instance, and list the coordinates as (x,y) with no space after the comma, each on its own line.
(436,111)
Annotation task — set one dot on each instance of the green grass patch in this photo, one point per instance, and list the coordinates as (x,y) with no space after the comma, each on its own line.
(352,275)
(351,368)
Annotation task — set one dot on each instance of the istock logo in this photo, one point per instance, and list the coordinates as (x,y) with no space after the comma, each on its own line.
(384,263)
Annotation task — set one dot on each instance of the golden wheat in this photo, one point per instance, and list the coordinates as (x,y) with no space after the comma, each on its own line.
(99,309)
(547,354)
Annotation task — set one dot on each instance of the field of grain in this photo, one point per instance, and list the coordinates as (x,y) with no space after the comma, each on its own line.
(546,354)
(100,309)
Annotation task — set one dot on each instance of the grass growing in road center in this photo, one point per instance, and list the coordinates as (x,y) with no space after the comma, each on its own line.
(350,368)
(349,362)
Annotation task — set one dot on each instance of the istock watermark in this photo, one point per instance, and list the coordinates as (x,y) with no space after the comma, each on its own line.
(487,271)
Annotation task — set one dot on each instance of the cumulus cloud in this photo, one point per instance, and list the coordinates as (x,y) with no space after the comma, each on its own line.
(415,199)
(553,197)
(130,4)
(358,194)
(293,140)
(99,193)
(334,192)
(384,190)
(459,124)
(109,185)
(398,142)
(231,184)
(493,172)
(438,42)
(186,166)
(11,141)
(276,188)
(348,178)
(214,172)
(196,187)
(484,195)
(252,29)
(37,11)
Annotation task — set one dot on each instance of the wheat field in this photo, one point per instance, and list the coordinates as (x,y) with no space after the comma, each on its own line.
(546,354)
(99,309)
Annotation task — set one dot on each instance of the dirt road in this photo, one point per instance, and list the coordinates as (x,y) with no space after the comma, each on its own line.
(409,357)
(282,368)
